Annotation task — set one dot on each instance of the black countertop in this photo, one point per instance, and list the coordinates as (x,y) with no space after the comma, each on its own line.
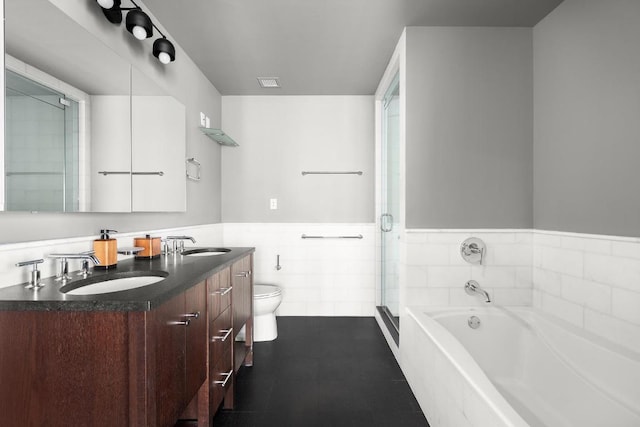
(184,272)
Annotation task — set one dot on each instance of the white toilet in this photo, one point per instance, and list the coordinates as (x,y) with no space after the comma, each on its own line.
(266,299)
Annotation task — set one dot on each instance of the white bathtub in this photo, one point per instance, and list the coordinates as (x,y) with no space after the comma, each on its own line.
(518,368)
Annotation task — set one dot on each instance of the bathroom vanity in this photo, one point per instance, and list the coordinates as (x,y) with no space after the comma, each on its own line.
(141,357)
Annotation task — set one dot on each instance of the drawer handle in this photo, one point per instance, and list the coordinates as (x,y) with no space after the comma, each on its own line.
(243,274)
(192,315)
(224,337)
(179,322)
(222,292)
(228,375)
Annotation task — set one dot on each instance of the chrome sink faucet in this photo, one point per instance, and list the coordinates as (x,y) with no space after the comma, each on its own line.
(175,239)
(473,288)
(64,263)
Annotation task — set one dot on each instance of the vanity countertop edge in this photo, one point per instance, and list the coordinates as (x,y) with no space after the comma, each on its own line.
(184,273)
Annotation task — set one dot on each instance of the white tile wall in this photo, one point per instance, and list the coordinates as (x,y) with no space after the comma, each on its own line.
(592,281)
(319,277)
(435,273)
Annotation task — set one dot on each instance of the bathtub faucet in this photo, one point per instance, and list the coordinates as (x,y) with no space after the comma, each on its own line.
(473,288)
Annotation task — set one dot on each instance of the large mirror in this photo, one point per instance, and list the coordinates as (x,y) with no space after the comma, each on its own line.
(72,126)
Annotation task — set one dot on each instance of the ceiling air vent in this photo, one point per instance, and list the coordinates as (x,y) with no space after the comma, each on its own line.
(269,82)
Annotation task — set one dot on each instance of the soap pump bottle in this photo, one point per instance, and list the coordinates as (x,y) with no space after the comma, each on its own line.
(106,250)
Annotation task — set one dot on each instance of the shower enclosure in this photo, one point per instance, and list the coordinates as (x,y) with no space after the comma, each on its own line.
(390,208)
(41,147)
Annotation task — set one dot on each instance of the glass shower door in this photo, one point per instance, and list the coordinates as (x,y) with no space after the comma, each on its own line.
(390,211)
(41,147)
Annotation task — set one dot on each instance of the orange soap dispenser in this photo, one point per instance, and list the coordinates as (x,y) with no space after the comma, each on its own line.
(106,250)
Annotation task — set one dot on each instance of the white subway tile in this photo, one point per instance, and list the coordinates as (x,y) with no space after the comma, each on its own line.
(511,297)
(586,244)
(494,277)
(626,305)
(548,240)
(416,276)
(547,281)
(563,261)
(615,271)
(447,276)
(427,254)
(626,249)
(587,293)
(428,296)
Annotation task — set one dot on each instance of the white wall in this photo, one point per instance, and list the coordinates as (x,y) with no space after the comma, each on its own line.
(281,136)
(318,277)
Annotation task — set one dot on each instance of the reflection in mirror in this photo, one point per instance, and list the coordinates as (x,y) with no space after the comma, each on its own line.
(159,179)
(67,115)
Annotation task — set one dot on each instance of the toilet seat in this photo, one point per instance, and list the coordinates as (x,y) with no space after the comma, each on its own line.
(265,291)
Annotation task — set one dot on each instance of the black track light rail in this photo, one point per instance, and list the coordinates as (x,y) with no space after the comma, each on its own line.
(160,46)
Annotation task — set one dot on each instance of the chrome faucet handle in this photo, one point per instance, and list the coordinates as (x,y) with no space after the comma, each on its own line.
(473,250)
(64,263)
(181,239)
(34,282)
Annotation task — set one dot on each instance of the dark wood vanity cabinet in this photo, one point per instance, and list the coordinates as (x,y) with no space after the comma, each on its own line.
(129,368)
(103,368)
(229,298)
(177,339)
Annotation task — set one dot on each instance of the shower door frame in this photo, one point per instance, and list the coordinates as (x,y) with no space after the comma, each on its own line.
(394,68)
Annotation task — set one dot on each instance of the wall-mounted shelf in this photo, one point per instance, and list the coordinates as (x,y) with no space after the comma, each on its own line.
(219,136)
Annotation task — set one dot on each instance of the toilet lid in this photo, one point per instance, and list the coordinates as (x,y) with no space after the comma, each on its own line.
(265,291)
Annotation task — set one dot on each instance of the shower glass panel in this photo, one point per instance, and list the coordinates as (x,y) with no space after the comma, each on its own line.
(389,220)
(41,148)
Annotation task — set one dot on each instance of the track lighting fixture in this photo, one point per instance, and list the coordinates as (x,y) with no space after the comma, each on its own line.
(163,50)
(140,25)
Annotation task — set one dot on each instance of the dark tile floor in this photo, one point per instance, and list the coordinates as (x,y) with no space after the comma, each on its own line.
(323,371)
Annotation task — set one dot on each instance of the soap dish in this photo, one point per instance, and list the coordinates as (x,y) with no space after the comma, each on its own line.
(130,251)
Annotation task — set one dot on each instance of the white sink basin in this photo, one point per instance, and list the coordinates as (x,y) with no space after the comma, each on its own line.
(113,284)
(206,251)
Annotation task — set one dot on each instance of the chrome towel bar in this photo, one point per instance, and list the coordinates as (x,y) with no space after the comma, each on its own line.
(330,173)
(105,173)
(359,236)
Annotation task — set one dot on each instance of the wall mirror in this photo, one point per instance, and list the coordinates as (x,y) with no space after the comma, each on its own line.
(70,122)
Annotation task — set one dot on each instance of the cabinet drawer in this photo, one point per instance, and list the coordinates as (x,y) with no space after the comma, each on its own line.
(219,297)
(221,380)
(221,336)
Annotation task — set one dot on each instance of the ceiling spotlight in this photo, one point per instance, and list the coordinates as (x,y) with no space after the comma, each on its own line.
(163,50)
(111,10)
(139,24)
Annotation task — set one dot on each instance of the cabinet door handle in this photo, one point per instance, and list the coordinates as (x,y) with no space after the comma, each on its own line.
(222,292)
(243,274)
(224,337)
(179,322)
(192,315)
(227,377)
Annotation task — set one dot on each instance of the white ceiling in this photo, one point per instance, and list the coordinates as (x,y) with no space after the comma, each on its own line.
(317,47)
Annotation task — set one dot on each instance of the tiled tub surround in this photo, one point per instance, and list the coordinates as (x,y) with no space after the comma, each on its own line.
(591,281)
(318,277)
(435,273)
(520,367)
